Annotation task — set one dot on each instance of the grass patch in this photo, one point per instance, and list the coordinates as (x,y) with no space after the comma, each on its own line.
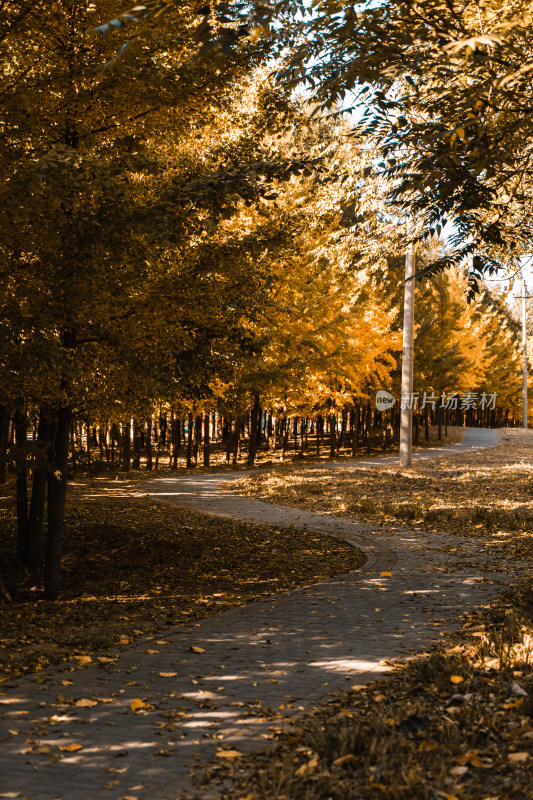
(484,494)
(132,567)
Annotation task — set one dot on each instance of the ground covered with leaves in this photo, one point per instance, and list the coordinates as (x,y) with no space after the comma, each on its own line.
(456,724)
(132,567)
(483,494)
(453,725)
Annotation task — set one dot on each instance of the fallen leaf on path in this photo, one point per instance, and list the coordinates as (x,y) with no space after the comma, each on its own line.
(228,754)
(137,704)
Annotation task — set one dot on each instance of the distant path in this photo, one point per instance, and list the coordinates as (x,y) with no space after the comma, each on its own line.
(263,663)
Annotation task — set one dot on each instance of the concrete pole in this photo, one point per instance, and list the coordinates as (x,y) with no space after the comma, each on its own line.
(524,355)
(406,414)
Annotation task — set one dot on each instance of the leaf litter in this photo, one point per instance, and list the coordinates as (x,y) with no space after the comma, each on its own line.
(455,723)
(131,568)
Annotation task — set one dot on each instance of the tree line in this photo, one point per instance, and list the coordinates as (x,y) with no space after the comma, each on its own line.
(183,233)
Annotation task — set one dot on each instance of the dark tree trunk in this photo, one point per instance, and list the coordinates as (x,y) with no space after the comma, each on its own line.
(355,431)
(21,433)
(126,446)
(426,424)
(176,441)
(4,442)
(285,438)
(197,436)
(189,441)
(332,437)
(207,441)
(149,455)
(34,551)
(57,490)
(236,433)
(88,445)
(136,462)
(254,426)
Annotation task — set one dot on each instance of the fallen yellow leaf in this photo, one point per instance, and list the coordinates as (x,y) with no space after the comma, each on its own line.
(194,649)
(307,768)
(85,703)
(70,748)
(168,674)
(456,678)
(518,757)
(386,575)
(339,762)
(138,704)
(228,754)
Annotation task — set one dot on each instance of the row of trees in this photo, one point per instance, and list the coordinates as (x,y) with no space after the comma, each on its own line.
(178,233)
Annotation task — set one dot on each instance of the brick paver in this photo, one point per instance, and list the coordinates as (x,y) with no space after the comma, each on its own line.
(261,665)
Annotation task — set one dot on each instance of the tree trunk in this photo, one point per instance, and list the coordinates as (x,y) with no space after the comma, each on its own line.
(136,462)
(149,462)
(57,490)
(207,441)
(176,441)
(197,436)
(4,442)
(126,446)
(285,437)
(332,438)
(189,440)
(254,426)
(34,549)
(236,434)
(319,431)
(88,445)
(21,433)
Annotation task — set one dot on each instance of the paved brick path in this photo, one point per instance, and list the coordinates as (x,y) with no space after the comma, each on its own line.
(262,663)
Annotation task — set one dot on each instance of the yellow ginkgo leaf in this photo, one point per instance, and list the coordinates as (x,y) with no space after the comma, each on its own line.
(386,575)
(138,704)
(86,703)
(168,674)
(456,678)
(228,754)
(71,748)
(194,649)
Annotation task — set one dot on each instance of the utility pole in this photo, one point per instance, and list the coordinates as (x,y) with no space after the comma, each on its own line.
(406,413)
(524,296)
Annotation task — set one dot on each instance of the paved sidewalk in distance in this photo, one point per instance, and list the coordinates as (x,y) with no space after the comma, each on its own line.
(254,666)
